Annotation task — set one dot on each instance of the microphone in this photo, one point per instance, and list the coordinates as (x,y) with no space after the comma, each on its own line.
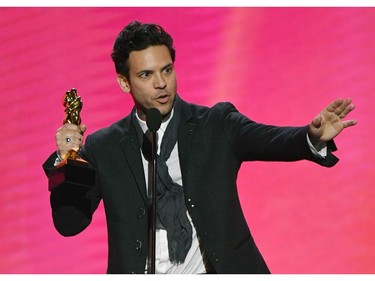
(153,119)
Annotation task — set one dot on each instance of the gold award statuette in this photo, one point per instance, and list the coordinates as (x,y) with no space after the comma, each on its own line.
(72,171)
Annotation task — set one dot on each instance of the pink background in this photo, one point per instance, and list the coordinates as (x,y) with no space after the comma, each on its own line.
(277,65)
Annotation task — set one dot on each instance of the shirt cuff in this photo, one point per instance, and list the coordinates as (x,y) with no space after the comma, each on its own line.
(58,159)
(322,152)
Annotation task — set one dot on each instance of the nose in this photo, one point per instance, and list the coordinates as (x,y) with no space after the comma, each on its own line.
(160,82)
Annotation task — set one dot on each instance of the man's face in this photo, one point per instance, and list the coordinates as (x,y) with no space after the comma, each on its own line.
(152,80)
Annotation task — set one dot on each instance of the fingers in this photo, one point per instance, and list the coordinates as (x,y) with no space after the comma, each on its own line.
(334,105)
(345,111)
(83,128)
(349,123)
(69,137)
(341,107)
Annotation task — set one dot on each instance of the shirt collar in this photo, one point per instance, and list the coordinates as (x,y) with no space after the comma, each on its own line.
(164,122)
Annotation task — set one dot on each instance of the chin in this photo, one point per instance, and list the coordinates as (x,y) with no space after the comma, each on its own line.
(165,113)
(165,108)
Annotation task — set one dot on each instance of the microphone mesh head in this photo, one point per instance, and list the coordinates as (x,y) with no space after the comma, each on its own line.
(153,119)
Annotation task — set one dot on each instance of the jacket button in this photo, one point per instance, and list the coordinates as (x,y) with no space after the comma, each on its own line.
(216,259)
(139,245)
(191,205)
(142,212)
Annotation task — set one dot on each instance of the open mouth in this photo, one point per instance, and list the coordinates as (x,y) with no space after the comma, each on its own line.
(163,99)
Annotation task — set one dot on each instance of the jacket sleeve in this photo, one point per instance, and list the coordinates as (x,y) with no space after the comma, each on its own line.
(254,141)
(72,206)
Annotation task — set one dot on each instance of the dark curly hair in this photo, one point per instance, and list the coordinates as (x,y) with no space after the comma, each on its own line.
(136,37)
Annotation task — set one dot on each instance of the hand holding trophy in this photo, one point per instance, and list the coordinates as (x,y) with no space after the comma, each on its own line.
(72,171)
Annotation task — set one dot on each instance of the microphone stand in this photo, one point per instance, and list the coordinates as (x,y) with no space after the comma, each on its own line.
(153,120)
(152,209)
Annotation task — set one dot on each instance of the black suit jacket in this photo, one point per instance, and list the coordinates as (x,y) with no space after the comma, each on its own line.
(212,144)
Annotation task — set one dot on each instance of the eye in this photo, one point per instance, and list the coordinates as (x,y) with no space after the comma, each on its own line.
(168,70)
(144,75)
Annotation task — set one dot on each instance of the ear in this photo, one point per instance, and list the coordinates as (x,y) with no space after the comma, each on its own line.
(123,82)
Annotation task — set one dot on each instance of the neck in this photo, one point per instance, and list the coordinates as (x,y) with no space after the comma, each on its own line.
(142,117)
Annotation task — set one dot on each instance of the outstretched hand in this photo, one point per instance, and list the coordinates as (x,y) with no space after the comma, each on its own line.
(329,122)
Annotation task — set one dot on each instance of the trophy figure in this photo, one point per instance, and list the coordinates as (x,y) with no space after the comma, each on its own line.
(72,171)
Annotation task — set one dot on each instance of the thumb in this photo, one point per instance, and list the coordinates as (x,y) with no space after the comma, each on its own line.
(317,121)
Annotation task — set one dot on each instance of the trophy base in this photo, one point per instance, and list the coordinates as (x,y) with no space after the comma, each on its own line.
(74,173)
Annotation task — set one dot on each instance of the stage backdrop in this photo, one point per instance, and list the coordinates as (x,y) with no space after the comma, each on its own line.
(277,65)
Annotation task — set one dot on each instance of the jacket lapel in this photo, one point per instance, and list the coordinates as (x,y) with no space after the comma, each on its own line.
(131,150)
(186,133)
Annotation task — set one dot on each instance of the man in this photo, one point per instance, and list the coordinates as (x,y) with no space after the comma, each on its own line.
(201,227)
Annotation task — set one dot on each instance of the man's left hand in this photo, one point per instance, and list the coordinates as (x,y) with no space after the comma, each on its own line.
(329,122)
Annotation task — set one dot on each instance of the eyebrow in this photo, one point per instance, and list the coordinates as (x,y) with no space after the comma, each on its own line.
(167,66)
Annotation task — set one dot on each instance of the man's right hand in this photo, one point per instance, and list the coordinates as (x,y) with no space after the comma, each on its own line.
(69,137)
